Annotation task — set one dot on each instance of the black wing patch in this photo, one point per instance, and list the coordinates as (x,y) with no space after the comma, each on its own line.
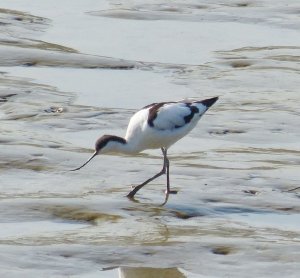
(194,110)
(153,111)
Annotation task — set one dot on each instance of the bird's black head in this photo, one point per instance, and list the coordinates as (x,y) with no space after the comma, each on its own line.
(103,143)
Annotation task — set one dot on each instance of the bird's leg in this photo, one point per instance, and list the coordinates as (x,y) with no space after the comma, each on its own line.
(167,162)
(163,171)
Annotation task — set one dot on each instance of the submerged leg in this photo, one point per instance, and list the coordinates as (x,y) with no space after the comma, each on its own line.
(168,191)
(163,171)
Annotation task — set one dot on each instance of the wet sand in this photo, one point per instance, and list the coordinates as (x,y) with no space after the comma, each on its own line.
(73,73)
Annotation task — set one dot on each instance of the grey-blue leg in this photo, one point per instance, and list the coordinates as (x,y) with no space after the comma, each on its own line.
(164,170)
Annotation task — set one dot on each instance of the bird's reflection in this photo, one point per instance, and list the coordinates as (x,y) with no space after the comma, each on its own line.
(149,272)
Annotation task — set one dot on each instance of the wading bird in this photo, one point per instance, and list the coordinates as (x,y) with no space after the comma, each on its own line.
(158,125)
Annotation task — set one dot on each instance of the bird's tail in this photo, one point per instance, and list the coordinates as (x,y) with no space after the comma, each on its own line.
(208,102)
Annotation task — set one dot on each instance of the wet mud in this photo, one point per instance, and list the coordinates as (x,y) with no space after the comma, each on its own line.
(236,213)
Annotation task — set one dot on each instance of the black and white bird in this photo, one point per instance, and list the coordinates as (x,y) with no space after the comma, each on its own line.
(158,125)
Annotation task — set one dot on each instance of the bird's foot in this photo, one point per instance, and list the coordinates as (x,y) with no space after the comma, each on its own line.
(167,192)
(130,195)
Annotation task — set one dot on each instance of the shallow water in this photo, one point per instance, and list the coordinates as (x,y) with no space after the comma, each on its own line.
(69,75)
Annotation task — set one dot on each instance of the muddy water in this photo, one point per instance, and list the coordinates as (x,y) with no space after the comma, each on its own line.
(69,75)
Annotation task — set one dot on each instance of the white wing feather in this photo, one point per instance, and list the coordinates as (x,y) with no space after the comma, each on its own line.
(171,115)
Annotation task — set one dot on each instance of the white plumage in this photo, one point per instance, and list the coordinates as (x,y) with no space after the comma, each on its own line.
(171,115)
(158,125)
(167,128)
